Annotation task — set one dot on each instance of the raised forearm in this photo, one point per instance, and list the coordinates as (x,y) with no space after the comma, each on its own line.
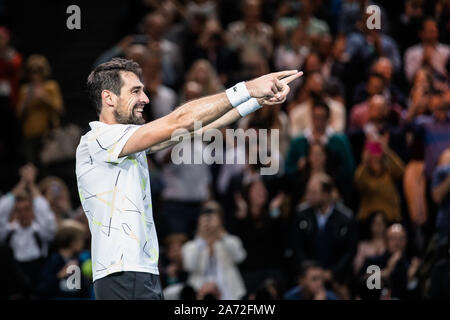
(228,118)
(205,110)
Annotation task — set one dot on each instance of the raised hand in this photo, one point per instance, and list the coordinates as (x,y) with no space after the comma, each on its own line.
(272,88)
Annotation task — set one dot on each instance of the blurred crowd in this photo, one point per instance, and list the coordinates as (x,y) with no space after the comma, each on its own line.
(359,208)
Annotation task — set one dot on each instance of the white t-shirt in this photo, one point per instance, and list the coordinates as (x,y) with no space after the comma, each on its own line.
(115,195)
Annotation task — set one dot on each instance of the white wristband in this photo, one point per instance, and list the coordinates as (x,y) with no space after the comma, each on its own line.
(248,107)
(238,94)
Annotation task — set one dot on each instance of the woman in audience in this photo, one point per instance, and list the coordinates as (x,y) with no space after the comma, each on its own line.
(374,245)
(40,105)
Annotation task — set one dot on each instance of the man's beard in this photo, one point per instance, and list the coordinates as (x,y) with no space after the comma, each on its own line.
(131,118)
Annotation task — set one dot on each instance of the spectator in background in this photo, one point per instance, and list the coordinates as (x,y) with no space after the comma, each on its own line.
(373,120)
(375,109)
(430,53)
(187,31)
(250,34)
(366,45)
(317,160)
(163,99)
(238,170)
(172,263)
(291,53)
(406,29)
(398,270)
(27,224)
(325,232)
(204,74)
(436,131)
(375,84)
(57,194)
(421,89)
(312,63)
(380,82)
(334,57)
(350,13)
(155,27)
(304,19)
(336,144)
(53,281)
(11,140)
(311,284)
(430,124)
(375,179)
(440,192)
(375,244)
(10,64)
(186,185)
(39,106)
(330,60)
(125,48)
(258,223)
(269,118)
(214,254)
(211,45)
(244,174)
(300,111)
(253,65)
(209,291)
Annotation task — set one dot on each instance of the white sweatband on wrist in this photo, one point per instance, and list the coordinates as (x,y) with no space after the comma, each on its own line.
(238,94)
(248,107)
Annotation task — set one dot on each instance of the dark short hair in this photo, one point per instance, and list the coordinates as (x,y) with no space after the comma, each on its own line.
(326,182)
(106,76)
(320,103)
(211,206)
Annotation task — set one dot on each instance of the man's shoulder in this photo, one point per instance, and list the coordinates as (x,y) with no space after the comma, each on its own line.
(415,49)
(293,294)
(304,210)
(344,213)
(102,130)
(299,139)
(443,46)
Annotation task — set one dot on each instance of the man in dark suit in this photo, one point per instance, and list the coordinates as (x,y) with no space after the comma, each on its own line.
(324,230)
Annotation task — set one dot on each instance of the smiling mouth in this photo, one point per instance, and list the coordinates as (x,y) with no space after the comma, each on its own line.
(138,111)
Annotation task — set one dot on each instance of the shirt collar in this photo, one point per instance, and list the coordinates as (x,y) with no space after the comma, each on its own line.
(329,131)
(327,213)
(322,218)
(96,124)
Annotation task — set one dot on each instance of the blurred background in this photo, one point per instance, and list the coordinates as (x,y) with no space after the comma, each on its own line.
(364,148)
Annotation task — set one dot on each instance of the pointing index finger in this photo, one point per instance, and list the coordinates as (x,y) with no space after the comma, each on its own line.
(292,77)
(282,74)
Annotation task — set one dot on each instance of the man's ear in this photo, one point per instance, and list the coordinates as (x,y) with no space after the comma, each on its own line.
(109,98)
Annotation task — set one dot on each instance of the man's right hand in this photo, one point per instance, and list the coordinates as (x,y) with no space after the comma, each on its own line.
(272,88)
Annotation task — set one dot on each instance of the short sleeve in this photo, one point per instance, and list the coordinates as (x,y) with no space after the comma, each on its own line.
(106,144)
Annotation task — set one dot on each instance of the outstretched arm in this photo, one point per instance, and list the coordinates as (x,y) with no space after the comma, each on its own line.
(269,89)
(228,118)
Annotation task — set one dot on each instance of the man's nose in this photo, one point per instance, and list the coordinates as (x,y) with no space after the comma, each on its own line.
(144,98)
